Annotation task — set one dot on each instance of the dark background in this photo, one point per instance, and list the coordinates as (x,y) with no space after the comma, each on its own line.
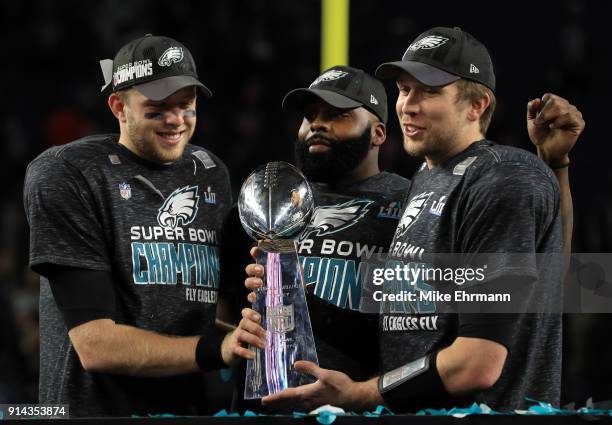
(250,53)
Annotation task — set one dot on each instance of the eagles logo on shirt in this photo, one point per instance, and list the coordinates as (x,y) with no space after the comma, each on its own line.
(180,208)
(330,219)
(412,212)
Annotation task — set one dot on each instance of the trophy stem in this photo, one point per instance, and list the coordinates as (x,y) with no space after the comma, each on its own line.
(275,351)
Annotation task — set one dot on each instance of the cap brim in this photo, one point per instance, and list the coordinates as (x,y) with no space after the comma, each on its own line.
(424,73)
(299,98)
(164,87)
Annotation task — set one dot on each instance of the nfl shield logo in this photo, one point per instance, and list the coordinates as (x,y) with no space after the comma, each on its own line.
(125,190)
(280,318)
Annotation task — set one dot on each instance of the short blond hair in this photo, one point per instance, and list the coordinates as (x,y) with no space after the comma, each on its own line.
(471,91)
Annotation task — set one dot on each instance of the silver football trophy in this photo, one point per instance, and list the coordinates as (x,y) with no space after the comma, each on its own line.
(275,204)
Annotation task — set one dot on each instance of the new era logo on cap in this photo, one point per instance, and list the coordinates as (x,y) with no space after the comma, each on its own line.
(473,69)
(343,87)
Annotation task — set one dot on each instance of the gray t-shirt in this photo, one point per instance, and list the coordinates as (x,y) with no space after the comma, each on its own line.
(93,204)
(350,226)
(487,199)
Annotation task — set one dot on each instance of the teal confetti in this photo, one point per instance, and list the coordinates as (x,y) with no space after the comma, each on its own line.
(226,374)
(326,418)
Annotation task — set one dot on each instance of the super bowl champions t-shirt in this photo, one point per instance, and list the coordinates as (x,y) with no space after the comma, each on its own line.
(350,225)
(93,204)
(487,199)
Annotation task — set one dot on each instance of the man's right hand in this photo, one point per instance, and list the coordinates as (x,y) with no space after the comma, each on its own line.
(248,332)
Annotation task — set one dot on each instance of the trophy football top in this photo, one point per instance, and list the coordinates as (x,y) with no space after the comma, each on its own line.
(275,202)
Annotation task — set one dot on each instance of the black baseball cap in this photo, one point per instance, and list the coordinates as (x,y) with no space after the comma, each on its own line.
(442,55)
(155,66)
(343,87)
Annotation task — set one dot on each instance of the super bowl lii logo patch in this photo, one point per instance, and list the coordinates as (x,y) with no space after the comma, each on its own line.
(210,197)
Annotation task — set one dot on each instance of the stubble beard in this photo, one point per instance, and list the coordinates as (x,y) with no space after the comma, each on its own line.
(149,149)
(435,146)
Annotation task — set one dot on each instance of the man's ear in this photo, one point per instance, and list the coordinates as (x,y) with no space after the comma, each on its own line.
(117,106)
(478,107)
(378,133)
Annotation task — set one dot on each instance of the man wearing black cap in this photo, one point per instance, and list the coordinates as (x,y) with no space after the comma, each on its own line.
(356,213)
(470,196)
(125,232)
(473,196)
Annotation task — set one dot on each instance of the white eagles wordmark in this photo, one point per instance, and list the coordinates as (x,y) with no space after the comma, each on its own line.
(180,208)
(170,56)
(328,219)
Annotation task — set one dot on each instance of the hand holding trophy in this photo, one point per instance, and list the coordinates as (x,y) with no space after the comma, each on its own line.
(275,204)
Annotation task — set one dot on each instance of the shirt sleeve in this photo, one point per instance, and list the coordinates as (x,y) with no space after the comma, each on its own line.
(82,295)
(65,226)
(497,327)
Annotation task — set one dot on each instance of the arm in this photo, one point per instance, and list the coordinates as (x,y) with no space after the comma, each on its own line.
(554,126)
(104,346)
(567,210)
(466,366)
(471,364)
(86,300)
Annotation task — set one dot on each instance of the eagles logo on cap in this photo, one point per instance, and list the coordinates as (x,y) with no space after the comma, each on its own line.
(429,42)
(170,56)
(333,74)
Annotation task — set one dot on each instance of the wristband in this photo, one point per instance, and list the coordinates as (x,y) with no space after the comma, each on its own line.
(416,385)
(208,351)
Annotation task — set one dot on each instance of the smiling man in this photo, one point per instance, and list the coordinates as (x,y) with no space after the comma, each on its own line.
(125,232)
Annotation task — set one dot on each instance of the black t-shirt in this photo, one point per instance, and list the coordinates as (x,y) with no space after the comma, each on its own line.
(487,199)
(93,204)
(350,225)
